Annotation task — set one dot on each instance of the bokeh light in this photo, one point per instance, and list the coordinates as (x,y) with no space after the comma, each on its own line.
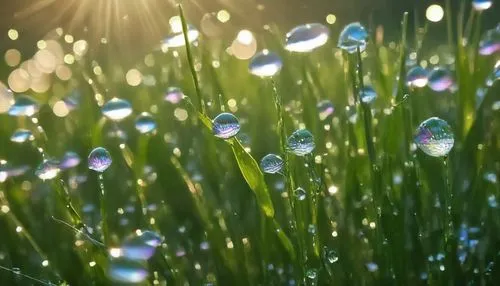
(12,57)
(434,13)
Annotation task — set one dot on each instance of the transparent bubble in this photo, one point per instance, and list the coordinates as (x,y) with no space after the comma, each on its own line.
(265,64)
(271,164)
(116,109)
(176,38)
(99,159)
(174,95)
(353,36)
(367,94)
(21,136)
(127,271)
(440,79)
(490,42)
(141,245)
(434,137)
(225,125)
(301,142)
(481,5)
(325,109)
(145,123)
(48,169)
(24,106)
(305,38)
(300,194)
(69,160)
(417,77)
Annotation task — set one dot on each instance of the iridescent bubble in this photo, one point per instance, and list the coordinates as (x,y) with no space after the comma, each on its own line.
(48,169)
(73,99)
(141,245)
(434,137)
(440,79)
(145,123)
(481,5)
(305,38)
(69,160)
(116,109)
(325,109)
(271,164)
(127,271)
(300,194)
(21,136)
(417,77)
(353,36)
(225,125)
(367,94)
(176,39)
(24,106)
(174,95)
(490,42)
(265,64)
(301,142)
(99,159)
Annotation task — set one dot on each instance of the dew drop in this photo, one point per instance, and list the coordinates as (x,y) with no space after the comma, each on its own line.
(434,137)
(325,109)
(372,266)
(353,36)
(24,106)
(265,64)
(117,109)
(21,136)
(141,245)
(173,95)
(48,169)
(271,164)
(440,79)
(145,123)
(69,160)
(490,42)
(331,256)
(305,38)
(301,142)
(367,94)
(481,5)
(225,125)
(99,159)
(417,77)
(127,271)
(312,273)
(300,194)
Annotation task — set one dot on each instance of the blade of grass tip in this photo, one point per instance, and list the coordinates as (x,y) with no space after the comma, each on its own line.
(201,105)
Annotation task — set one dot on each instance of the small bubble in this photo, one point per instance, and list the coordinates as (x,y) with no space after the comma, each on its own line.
(440,79)
(301,142)
(24,106)
(417,77)
(306,38)
(352,37)
(367,94)
(21,136)
(300,194)
(116,109)
(99,159)
(325,109)
(173,95)
(271,164)
(265,64)
(127,271)
(434,137)
(225,125)
(145,123)
(48,169)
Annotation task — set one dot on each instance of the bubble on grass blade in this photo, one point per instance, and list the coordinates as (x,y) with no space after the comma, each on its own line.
(48,169)
(116,109)
(21,136)
(434,137)
(367,94)
(99,159)
(490,42)
(145,123)
(271,164)
(481,5)
(127,271)
(300,194)
(265,64)
(301,142)
(417,77)
(141,245)
(325,109)
(173,95)
(24,106)
(353,36)
(225,125)
(69,160)
(440,79)
(176,38)
(305,38)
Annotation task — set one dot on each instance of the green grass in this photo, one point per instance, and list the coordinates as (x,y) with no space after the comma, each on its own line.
(377,211)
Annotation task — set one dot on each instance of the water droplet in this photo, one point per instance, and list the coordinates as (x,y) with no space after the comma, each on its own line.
(372,266)
(325,109)
(300,194)
(99,159)
(145,123)
(434,137)
(48,169)
(331,256)
(69,160)
(490,42)
(141,245)
(174,95)
(24,106)
(481,5)
(494,76)
(311,229)
(21,136)
(305,38)
(265,64)
(492,201)
(117,109)
(440,79)
(127,271)
(176,38)
(301,142)
(367,94)
(353,36)
(225,125)
(73,99)
(417,77)
(312,273)
(271,164)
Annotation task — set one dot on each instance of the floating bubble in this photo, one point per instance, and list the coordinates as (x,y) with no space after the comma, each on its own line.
(127,271)
(145,123)
(141,245)
(305,38)
(490,42)
(174,95)
(265,64)
(99,159)
(440,79)
(48,169)
(434,137)
(300,194)
(69,160)
(271,164)
(24,106)
(301,142)
(325,109)
(21,136)
(481,5)
(353,36)
(417,77)
(367,94)
(225,125)
(116,109)
(176,38)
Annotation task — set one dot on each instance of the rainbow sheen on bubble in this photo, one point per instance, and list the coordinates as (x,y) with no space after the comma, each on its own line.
(434,137)
(99,160)
(225,125)
(352,37)
(301,142)
(271,164)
